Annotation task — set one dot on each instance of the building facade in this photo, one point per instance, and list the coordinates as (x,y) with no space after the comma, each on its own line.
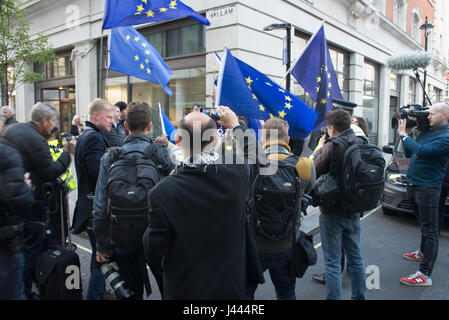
(362,35)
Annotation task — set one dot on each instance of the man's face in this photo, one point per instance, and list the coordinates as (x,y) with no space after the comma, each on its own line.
(123,114)
(105,120)
(48,125)
(117,114)
(436,117)
(6,113)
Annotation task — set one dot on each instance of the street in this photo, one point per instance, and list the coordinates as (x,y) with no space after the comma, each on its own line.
(383,240)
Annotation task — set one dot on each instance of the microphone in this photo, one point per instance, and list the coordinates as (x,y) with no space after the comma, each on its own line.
(410,61)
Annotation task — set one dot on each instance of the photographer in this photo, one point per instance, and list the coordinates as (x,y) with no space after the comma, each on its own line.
(15,199)
(428,157)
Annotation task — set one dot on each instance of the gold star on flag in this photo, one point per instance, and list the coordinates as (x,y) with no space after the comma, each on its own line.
(142,66)
(330,85)
(147,52)
(282,114)
(261,107)
(323,101)
(147,61)
(288,106)
(329,75)
(140,8)
(144,1)
(288,98)
(150,14)
(144,44)
(136,39)
(249,81)
(328,94)
(318,79)
(254,97)
(128,37)
(136,58)
(271,116)
(268,84)
(283,91)
(173,4)
(163,9)
(317,89)
(148,70)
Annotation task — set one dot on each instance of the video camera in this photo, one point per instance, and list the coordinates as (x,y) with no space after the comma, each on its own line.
(416,117)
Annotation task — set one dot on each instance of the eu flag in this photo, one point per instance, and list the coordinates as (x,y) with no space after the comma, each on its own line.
(130,53)
(314,71)
(122,13)
(168,129)
(251,94)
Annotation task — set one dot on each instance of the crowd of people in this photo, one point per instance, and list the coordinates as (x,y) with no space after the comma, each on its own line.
(208,214)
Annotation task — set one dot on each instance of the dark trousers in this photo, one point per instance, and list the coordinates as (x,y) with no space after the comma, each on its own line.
(11,273)
(97,284)
(425,202)
(279,266)
(441,209)
(129,268)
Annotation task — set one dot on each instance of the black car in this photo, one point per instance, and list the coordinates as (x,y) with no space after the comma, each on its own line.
(394,199)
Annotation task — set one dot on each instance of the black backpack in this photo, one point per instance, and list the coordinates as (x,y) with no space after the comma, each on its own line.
(361,181)
(274,201)
(130,179)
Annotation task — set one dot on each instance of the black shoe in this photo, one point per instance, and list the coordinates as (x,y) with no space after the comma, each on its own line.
(319,277)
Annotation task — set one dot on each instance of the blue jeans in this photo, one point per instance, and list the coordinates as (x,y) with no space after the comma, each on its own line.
(97,284)
(335,232)
(11,275)
(425,201)
(279,266)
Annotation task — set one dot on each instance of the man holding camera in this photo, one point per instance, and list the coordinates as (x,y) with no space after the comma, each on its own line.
(30,140)
(428,157)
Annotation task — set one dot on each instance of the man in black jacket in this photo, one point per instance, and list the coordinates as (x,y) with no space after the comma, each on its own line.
(29,139)
(91,146)
(15,199)
(116,136)
(8,113)
(197,243)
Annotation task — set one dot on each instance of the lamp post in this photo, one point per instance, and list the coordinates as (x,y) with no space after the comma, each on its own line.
(426,27)
(288,28)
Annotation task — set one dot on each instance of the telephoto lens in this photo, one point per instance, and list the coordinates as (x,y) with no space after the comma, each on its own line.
(110,271)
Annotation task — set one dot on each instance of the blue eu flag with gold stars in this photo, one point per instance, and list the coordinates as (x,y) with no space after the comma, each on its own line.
(121,13)
(131,54)
(314,71)
(251,94)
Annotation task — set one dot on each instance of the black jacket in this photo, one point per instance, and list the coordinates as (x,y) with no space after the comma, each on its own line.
(446,177)
(37,160)
(116,137)
(15,196)
(10,121)
(90,147)
(198,233)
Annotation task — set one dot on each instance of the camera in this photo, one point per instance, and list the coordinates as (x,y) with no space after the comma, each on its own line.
(416,117)
(114,279)
(67,136)
(215,116)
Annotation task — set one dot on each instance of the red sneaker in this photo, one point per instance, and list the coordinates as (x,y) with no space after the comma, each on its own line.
(415,256)
(418,280)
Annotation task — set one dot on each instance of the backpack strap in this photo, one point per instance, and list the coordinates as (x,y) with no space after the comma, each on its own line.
(334,158)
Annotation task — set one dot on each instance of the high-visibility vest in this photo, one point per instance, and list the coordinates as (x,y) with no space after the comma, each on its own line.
(66,178)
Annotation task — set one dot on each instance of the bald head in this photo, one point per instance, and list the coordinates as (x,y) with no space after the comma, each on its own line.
(439,114)
(197,132)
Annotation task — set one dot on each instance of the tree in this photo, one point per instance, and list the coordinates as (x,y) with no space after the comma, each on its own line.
(18,49)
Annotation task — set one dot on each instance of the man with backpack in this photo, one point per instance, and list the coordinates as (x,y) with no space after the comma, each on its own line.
(120,214)
(274,208)
(350,181)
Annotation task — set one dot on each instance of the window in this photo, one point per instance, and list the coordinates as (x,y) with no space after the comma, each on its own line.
(59,67)
(186,40)
(412,91)
(370,109)
(379,4)
(395,84)
(416,23)
(399,13)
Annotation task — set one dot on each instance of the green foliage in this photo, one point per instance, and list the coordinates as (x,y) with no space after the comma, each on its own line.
(18,49)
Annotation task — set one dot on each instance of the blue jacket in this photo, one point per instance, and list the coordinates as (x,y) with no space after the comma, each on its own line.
(429,155)
(133,142)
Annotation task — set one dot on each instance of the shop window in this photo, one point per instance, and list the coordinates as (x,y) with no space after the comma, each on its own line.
(370,109)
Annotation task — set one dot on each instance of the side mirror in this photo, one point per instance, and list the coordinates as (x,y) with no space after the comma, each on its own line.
(388,149)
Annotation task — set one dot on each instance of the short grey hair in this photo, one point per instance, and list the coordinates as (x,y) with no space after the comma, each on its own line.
(42,111)
(8,108)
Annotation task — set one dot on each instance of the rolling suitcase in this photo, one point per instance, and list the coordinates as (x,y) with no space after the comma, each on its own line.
(58,272)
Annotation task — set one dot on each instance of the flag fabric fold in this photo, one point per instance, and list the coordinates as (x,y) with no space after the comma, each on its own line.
(121,13)
(131,54)
(251,94)
(168,129)
(315,72)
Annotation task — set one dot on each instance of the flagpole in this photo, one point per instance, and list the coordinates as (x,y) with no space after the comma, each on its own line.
(101,63)
(305,48)
(162,121)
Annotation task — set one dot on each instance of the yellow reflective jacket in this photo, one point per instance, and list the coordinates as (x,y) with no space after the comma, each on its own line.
(66,178)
